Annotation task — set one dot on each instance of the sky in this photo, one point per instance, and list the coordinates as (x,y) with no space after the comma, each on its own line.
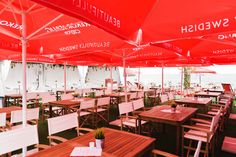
(220,69)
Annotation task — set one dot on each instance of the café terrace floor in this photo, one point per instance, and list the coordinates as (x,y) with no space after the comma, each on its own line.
(166,143)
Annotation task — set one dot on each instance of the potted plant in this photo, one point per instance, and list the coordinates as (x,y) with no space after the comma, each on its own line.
(99,138)
(173,107)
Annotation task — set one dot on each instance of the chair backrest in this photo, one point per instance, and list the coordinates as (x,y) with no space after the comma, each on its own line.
(215,121)
(31,95)
(16,116)
(48,98)
(198,150)
(227,87)
(18,138)
(164,98)
(170,96)
(32,113)
(62,123)
(87,104)
(133,95)
(138,104)
(99,93)
(67,96)
(103,101)
(125,107)
(3,119)
(140,94)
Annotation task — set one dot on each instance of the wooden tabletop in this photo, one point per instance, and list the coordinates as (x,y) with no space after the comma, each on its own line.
(194,100)
(98,88)
(209,94)
(121,94)
(117,144)
(161,114)
(14,96)
(215,90)
(67,91)
(8,110)
(68,103)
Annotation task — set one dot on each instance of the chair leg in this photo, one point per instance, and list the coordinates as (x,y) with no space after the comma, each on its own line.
(189,146)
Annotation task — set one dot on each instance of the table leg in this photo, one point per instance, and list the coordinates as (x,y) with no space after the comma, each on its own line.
(6,102)
(178,131)
(139,125)
(14,101)
(50,111)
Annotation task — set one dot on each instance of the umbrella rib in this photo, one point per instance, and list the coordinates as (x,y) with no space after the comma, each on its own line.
(32,7)
(9,33)
(6,6)
(41,28)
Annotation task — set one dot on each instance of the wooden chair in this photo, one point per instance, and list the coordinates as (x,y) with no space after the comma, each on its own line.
(102,109)
(133,96)
(47,97)
(157,153)
(138,106)
(32,117)
(3,121)
(99,93)
(32,100)
(204,134)
(86,112)
(164,98)
(68,96)
(229,145)
(20,138)
(131,122)
(140,94)
(59,124)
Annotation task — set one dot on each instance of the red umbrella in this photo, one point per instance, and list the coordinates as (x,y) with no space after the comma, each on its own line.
(200,70)
(152,20)
(50,32)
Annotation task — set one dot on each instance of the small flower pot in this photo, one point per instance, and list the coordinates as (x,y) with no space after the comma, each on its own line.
(100,143)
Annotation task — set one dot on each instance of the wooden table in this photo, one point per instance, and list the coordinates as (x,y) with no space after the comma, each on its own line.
(66,104)
(59,92)
(98,88)
(8,110)
(215,95)
(201,103)
(15,97)
(214,90)
(157,114)
(118,97)
(117,144)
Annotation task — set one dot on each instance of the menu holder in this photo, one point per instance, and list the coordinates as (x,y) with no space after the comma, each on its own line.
(86,151)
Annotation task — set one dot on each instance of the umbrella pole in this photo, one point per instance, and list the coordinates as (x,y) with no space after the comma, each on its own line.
(162,79)
(125,87)
(138,77)
(181,84)
(111,79)
(24,49)
(64,78)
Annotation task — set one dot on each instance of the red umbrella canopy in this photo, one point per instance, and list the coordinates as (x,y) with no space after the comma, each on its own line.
(212,48)
(152,20)
(49,31)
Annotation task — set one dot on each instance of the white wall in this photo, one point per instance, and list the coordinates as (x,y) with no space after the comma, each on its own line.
(96,76)
(45,74)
